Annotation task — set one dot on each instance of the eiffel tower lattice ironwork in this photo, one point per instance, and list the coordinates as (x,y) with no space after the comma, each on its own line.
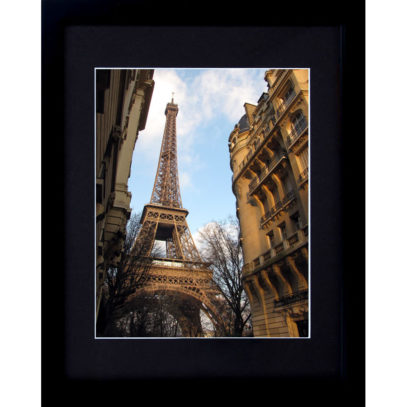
(181,271)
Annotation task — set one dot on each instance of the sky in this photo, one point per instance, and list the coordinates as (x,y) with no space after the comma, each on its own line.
(210,103)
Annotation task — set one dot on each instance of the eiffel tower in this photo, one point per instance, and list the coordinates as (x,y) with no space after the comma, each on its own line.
(181,272)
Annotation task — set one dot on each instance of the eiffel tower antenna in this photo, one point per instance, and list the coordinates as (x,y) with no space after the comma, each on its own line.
(166,189)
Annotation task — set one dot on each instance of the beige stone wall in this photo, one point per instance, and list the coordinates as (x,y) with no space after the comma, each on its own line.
(269,161)
(122,102)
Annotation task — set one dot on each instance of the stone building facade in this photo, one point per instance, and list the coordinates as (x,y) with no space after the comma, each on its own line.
(122,103)
(269,159)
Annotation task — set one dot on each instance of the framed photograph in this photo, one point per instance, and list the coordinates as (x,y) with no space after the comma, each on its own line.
(207,179)
(159,275)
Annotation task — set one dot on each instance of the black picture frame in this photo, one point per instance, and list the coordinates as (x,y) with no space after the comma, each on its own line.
(78,36)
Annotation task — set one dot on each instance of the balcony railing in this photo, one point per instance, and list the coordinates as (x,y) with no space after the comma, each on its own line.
(253,183)
(279,248)
(297,131)
(288,197)
(257,180)
(281,109)
(289,299)
(293,239)
(279,205)
(271,212)
(267,255)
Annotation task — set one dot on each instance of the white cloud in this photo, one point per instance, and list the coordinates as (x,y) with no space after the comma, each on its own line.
(208,94)
(212,93)
(224,91)
(230,229)
(184,180)
(166,82)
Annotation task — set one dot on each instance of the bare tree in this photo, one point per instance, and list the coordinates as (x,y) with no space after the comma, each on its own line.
(151,316)
(221,248)
(128,276)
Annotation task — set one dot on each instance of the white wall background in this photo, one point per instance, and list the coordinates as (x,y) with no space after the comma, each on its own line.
(386,348)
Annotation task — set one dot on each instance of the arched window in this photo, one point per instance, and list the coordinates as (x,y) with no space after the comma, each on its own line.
(302,159)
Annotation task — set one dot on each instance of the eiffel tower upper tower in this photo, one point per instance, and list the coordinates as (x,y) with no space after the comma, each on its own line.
(164,219)
(181,271)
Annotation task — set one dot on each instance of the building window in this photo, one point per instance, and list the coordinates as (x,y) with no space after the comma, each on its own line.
(302,159)
(295,218)
(283,230)
(302,327)
(298,119)
(270,236)
(288,93)
(102,83)
(99,191)
(286,185)
(273,115)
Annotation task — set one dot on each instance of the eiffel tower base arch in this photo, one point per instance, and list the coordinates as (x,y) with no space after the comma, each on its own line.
(187,313)
(184,293)
(185,309)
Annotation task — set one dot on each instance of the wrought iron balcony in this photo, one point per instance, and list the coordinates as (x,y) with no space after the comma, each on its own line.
(297,131)
(253,183)
(291,298)
(279,205)
(271,212)
(265,171)
(288,197)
